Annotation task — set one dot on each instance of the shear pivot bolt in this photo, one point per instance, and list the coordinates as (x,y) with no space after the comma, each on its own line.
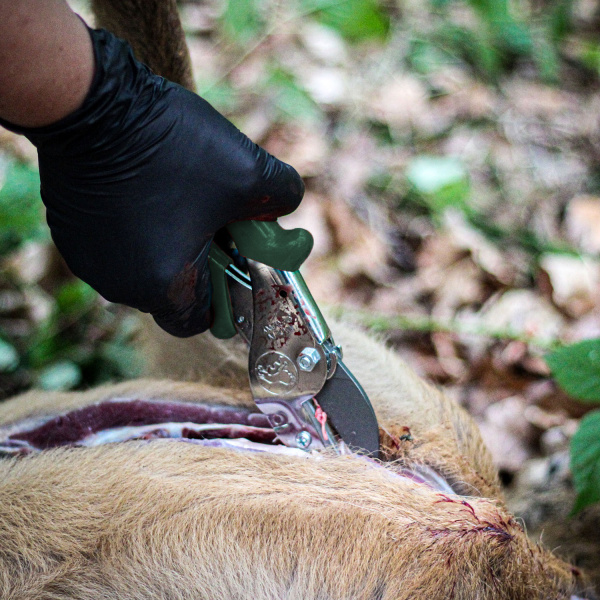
(304,439)
(277,419)
(308,359)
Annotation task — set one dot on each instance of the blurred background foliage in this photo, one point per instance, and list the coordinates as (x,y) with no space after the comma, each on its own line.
(55,331)
(328,64)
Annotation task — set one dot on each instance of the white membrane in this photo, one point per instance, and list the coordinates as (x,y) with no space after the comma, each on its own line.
(165,430)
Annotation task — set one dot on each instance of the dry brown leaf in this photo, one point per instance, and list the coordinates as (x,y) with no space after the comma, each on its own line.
(507,434)
(582,222)
(536,365)
(554,440)
(437,253)
(39,304)
(323,43)
(513,353)
(535,99)
(584,328)
(461,97)
(400,298)
(360,251)
(543,419)
(353,165)
(327,85)
(30,263)
(402,102)
(19,146)
(546,394)
(447,353)
(575,282)
(522,312)
(476,102)
(458,285)
(198,18)
(205,60)
(484,253)
(305,148)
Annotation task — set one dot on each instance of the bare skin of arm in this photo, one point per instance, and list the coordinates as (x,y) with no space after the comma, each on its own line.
(46,61)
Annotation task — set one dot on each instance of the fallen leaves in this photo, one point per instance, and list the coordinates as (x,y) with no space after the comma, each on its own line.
(575,282)
(507,435)
(582,223)
(402,102)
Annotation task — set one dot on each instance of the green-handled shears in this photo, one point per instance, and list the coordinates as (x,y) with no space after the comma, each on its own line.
(297,376)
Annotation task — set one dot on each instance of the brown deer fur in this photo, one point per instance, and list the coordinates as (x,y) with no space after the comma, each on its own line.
(154,30)
(167,519)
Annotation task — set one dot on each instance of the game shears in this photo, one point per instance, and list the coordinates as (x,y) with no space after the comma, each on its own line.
(297,375)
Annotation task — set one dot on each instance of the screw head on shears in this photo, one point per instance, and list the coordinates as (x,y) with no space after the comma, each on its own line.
(307,359)
(304,439)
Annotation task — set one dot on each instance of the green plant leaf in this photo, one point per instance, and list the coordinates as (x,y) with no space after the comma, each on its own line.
(440,181)
(589,55)
(509,31)
(220,94)
(544,52)
(21,215)
(43,349)
(514,36)
(576,368)
(561,19)
(124,360)
(291,101)
(547,60)
(475,47)
(62,375)
(75,296)
(425,57)
(585,461)
(356,20)
(242,20)
(9,357)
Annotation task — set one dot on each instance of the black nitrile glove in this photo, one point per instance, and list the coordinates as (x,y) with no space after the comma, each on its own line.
(137,181)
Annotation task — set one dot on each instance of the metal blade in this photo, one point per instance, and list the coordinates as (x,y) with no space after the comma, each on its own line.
(350,412)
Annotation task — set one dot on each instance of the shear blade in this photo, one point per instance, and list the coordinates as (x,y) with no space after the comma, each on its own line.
(350,412)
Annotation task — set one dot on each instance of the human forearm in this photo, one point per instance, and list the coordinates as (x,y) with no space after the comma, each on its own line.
(46,61)
(138,179)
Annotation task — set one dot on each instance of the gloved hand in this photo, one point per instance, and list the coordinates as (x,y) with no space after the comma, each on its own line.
(137,181)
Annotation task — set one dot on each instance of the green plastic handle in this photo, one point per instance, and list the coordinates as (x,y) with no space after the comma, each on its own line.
(222,327)
(264,241)
(268,243)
